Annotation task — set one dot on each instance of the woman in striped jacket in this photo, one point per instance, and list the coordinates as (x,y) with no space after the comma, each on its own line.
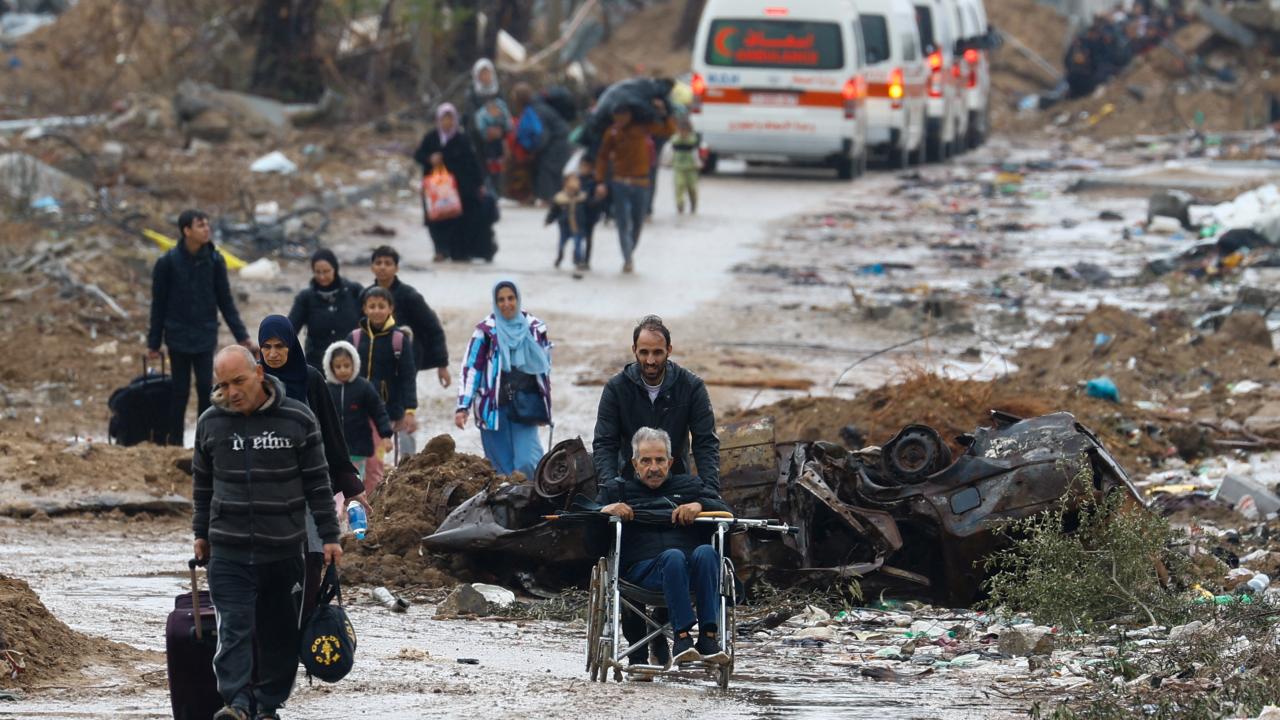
(506,383)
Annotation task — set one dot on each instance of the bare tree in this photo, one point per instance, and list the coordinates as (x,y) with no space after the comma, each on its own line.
(286,65)
(688,26)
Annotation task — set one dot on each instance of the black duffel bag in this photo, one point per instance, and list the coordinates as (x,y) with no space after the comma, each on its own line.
(327,646)
(520,395)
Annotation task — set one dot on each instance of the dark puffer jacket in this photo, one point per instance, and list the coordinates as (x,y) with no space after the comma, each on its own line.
(255,476)
(682,408)
(187,291)
(357,403)
(644,541)
(412,311)
(329,315)
(392,374)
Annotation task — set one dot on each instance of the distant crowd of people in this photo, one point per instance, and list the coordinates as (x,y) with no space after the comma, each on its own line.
(521,145)
(1114,39)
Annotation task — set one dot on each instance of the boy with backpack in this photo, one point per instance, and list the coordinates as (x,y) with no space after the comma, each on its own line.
(385,350)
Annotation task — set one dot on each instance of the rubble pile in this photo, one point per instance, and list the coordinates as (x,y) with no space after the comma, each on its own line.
(1179,387)
(38,649)
(410,504)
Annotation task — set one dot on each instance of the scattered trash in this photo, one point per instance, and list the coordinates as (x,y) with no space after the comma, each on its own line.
(274,162)
(262,269)
(469,661)
(1103,388)
(392,602)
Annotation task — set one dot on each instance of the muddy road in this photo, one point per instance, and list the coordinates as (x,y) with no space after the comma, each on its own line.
(116,578)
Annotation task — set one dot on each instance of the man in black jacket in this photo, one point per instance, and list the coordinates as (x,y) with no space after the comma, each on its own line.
(668,552)
(258,466)
(655,392)
(188,287)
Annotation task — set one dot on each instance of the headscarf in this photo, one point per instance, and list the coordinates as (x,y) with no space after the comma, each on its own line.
(446,109)
(517,348)
(294,371)
(481,89)
(327,255)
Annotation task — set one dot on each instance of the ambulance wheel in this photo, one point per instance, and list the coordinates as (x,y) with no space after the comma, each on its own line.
(845,167)
(709,164)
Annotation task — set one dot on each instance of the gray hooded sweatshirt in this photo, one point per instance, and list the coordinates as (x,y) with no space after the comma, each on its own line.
(254,478)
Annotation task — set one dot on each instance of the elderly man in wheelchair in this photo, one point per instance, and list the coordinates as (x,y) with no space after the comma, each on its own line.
(670,553)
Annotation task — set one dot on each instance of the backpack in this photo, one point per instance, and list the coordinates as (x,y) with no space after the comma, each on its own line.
(397,340)
(530,131)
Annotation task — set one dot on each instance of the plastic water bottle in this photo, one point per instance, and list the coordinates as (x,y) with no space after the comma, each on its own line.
(357,518)
(1259,583)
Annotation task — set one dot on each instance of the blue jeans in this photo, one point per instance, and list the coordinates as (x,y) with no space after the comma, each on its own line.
(579,247)
(513,446)
(671,572)
(629,205)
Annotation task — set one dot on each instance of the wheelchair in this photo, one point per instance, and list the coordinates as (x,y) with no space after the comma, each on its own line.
(609,595)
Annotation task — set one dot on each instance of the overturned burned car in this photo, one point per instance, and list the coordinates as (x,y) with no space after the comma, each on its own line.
(903,517)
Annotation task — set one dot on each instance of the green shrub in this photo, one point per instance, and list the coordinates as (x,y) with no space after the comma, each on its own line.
(1087,563)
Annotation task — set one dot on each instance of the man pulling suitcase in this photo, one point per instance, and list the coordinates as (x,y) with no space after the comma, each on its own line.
(260,461)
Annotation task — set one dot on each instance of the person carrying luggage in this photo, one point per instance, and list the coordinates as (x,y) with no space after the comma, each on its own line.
(189,287)
(257,469)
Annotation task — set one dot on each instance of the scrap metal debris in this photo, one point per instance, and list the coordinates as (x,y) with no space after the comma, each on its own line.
(904,516)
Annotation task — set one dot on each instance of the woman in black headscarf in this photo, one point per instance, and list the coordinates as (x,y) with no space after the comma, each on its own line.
(282,357)
(329,308)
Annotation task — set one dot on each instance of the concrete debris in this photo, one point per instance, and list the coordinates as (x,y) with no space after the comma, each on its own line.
(464,600)
(1021,641)
(497,596)
(25,179)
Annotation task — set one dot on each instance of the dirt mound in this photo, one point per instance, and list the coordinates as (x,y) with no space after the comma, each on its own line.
(99,50)
(643,46)
(1161,360)
(1013,74)
(1168,374)
(410,504)
(50,650)
(40,468)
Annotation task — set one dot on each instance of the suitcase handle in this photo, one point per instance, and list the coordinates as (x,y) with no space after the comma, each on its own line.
(147,370)
(195,598)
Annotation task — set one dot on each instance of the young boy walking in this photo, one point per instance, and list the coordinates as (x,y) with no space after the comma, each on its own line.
(386,357)
(569,210)
(685,164)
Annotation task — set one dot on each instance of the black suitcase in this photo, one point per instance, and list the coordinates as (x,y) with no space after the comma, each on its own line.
(140,411)
(190,640)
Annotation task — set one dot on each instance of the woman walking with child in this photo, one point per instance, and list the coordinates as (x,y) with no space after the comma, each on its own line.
(506,383)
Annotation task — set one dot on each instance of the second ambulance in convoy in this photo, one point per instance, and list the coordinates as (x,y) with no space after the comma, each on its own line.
(781,81)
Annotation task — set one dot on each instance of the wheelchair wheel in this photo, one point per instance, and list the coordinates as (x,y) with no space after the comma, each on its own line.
(595,617)
(728,633)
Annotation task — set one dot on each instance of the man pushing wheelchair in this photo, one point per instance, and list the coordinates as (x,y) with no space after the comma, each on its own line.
(663,549)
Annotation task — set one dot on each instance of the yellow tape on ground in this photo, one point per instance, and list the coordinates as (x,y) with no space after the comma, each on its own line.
(167,243)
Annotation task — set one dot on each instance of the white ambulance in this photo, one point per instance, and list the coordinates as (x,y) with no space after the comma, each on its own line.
(896,75)
(780,81)
(975,75)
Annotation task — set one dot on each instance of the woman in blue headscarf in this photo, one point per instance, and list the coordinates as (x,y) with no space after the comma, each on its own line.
(506,383)
(282,357)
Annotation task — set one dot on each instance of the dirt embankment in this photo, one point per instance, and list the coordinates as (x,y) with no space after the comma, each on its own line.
(1013,73)
(50,651)
(1169,375)
(411,503)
